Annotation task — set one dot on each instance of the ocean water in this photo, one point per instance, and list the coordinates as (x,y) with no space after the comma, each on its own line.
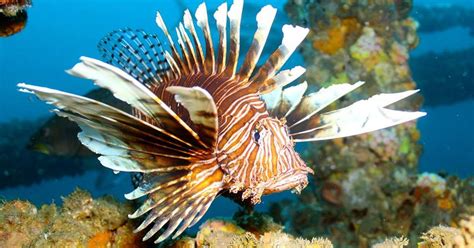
(59,32)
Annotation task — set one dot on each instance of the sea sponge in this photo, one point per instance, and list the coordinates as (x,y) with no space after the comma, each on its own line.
(392,243)
(450,237)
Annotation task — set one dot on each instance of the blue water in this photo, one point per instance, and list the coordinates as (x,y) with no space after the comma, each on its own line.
(59,32)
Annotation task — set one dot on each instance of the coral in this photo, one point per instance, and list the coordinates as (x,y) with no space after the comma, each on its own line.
(440,236)
(392,243)
(431,181)
(221,233)
(364,186)
(336,36)
(256,222)
(461,236)
(81,222)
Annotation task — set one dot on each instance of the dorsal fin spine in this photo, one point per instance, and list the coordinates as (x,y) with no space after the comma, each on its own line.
(264,23)
(203,23)
(161,24)
(189,45)
(187,66)
(221,19)
(189,25)
(235,15)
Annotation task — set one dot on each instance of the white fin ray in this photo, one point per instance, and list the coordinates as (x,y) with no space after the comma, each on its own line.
(292,37)
(186,59)
(282,102)
(192,53)
(129,90)
(235,16)
(189,25)
(221,19)
(315,102)
(203,23)
(361,117)
(264,23)
(116,135)
(161,24)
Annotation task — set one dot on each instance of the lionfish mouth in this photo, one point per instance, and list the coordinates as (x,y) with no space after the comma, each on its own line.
(295,180)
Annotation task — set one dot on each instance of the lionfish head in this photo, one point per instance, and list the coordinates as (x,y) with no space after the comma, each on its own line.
(287,170)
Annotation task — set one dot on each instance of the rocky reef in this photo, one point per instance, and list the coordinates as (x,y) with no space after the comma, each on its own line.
(82,221)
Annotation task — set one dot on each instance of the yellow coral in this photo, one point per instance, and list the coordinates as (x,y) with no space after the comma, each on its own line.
(336,36)
(450,237)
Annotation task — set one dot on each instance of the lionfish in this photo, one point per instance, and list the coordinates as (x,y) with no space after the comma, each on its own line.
(200,126)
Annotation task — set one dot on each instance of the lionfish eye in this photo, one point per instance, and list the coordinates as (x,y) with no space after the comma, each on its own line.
(256,135)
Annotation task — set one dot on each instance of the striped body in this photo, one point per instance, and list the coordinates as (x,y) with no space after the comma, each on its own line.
(252,164)
(201,126)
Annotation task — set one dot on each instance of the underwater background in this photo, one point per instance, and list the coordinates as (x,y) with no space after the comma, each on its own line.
(57,33)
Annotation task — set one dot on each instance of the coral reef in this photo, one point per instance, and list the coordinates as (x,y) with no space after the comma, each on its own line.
(461,236)
(80,222)
(367,188)
(362,217)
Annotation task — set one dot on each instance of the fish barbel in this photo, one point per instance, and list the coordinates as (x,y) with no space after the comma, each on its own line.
(200,125)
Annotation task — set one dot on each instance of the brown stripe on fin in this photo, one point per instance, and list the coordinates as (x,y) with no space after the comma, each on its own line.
(235,16)
(189,25)
(281,79)
(264,23)
(280,103)
(292,37)
(221,20)
(202,111)
(185,58)
(161,24)
(203,23)
(126,143)
(129,90)
(137,52)
(178,204)
(191,52)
